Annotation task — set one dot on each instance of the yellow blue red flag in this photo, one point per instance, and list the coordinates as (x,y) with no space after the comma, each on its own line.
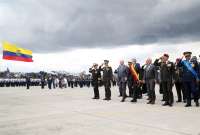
(12,52)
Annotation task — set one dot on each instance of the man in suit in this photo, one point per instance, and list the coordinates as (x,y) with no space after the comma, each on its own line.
(167,71)
(150,78)
(133,81)
(107,78)
(96,76)
(122,74)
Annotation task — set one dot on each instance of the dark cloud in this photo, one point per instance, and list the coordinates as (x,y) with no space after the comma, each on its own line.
(49,25)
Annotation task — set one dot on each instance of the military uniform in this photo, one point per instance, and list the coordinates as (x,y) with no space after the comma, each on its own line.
(96,76)
(167,71)
(189,79)
(107,78)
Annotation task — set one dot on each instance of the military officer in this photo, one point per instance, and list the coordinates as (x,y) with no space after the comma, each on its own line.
(96,76)
(167,71)
(190,78)
(107,78)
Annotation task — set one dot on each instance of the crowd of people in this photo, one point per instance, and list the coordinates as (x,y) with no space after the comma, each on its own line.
(184,74)
(50,81)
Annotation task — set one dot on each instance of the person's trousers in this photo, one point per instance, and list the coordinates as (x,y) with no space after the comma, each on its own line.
(49,85)
(130,88)
(191,89)
(150,84)
(27,86)
(96,89)
(136,89)
(167,91)
(42,85)
(180,91)
(107,86)
(122,89)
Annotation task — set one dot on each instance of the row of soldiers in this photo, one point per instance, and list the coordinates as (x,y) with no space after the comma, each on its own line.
(18,82)
(184,74)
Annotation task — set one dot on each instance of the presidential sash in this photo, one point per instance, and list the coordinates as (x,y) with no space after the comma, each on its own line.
(190,68)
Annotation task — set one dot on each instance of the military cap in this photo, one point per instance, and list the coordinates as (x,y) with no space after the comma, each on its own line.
(187,53)
(166,55)
(106,61)
(95,64)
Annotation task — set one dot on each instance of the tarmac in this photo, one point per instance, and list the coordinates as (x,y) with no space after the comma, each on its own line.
(73,112)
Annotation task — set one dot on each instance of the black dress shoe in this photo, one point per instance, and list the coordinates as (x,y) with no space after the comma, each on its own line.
(97,98)
(149,102)
(152,102)
(165,104)
(170,105)
(105,99)
(188,105)
(178,101)
(122,100)
(134,100)
(93,98)
(197,104)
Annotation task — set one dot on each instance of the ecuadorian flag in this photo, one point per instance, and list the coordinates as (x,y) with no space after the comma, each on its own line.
(12,52)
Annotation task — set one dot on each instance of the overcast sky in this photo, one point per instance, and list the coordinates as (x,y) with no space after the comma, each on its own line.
(72,34)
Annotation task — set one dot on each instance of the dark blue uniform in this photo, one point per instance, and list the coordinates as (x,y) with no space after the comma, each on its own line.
(189,81)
